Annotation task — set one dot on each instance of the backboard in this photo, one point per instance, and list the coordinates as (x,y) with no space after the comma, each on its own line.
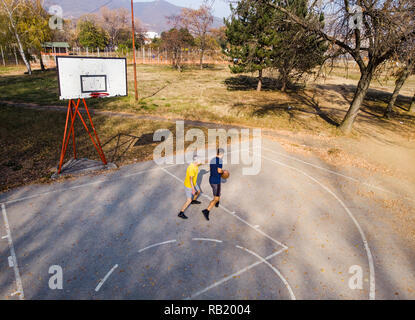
(84,77)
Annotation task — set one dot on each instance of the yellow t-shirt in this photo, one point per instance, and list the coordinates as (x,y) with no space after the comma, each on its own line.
(192,171)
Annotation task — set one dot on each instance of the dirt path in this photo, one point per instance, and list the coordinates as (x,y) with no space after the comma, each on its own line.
(390,155)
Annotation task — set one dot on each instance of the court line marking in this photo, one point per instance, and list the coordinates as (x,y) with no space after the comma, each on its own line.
(85,185)
(234,215)
(13,254)
(156,245)
(273,269)
(338,174)
(226,278)
(372,283)
(105,278)
(205,239)
(230,277)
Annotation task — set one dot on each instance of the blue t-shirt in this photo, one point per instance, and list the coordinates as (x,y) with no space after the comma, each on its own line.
(215,176)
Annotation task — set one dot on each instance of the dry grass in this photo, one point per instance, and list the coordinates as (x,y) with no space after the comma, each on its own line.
(216,95)
(30,143)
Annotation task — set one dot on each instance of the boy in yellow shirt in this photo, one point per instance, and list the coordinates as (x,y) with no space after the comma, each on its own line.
(191,188)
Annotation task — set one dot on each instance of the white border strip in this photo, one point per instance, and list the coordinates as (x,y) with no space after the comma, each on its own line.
(105,278)
(13,254)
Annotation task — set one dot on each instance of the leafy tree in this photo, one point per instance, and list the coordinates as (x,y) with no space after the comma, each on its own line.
(12,10)
(91,35)
(175,41)
(251,37)
(125,39)
(296,51)
(5,34)
(219,35)
(34,27)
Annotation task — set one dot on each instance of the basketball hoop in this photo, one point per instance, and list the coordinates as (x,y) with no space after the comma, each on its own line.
(99,94)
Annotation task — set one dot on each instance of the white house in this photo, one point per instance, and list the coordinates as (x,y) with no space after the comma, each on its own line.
(150,35)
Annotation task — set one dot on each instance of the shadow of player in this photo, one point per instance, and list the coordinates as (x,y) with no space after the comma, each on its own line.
(200,177)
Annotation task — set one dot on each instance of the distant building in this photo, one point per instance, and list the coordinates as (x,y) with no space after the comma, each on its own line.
(55,48)
(149,36)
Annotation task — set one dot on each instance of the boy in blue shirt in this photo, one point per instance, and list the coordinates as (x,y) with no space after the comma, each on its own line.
(215,181)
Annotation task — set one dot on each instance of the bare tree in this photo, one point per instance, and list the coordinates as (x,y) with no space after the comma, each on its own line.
(11,9)
(198,22)
(113,22)
(402,75)
(370,31)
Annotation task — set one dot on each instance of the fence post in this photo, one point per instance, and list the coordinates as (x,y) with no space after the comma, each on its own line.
(98,51)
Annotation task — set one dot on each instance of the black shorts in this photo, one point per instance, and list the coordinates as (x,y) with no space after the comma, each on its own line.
(216,189)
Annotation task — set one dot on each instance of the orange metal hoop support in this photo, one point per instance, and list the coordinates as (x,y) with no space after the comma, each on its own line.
(73,110)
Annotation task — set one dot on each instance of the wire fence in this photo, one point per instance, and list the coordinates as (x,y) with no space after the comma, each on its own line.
(10,56)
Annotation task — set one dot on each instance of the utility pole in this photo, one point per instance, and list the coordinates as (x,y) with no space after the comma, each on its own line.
(135,64)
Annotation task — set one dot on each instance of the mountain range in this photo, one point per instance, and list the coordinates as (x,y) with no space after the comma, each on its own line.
(151,14)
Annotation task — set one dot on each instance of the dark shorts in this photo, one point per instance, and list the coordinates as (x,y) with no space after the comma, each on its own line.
(216,189)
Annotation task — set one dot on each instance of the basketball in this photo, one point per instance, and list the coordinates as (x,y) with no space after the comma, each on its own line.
(225,174)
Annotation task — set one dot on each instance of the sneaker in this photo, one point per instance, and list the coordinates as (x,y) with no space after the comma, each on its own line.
(217,204)
(206,214)
(196,202)
(182,215)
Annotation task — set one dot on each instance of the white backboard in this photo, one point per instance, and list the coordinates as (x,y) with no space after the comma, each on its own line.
(80,76)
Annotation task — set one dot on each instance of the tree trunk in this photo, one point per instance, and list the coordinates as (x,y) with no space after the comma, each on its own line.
(42,66)
(284,84)
(359,96)
(412,106)
(22,54)
(259,87)
(2,56)
(398,86)
(202,53)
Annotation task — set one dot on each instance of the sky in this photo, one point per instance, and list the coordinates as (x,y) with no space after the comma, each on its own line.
(221,7)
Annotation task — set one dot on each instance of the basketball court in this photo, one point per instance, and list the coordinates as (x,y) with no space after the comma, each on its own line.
(294,231)
(284,234)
